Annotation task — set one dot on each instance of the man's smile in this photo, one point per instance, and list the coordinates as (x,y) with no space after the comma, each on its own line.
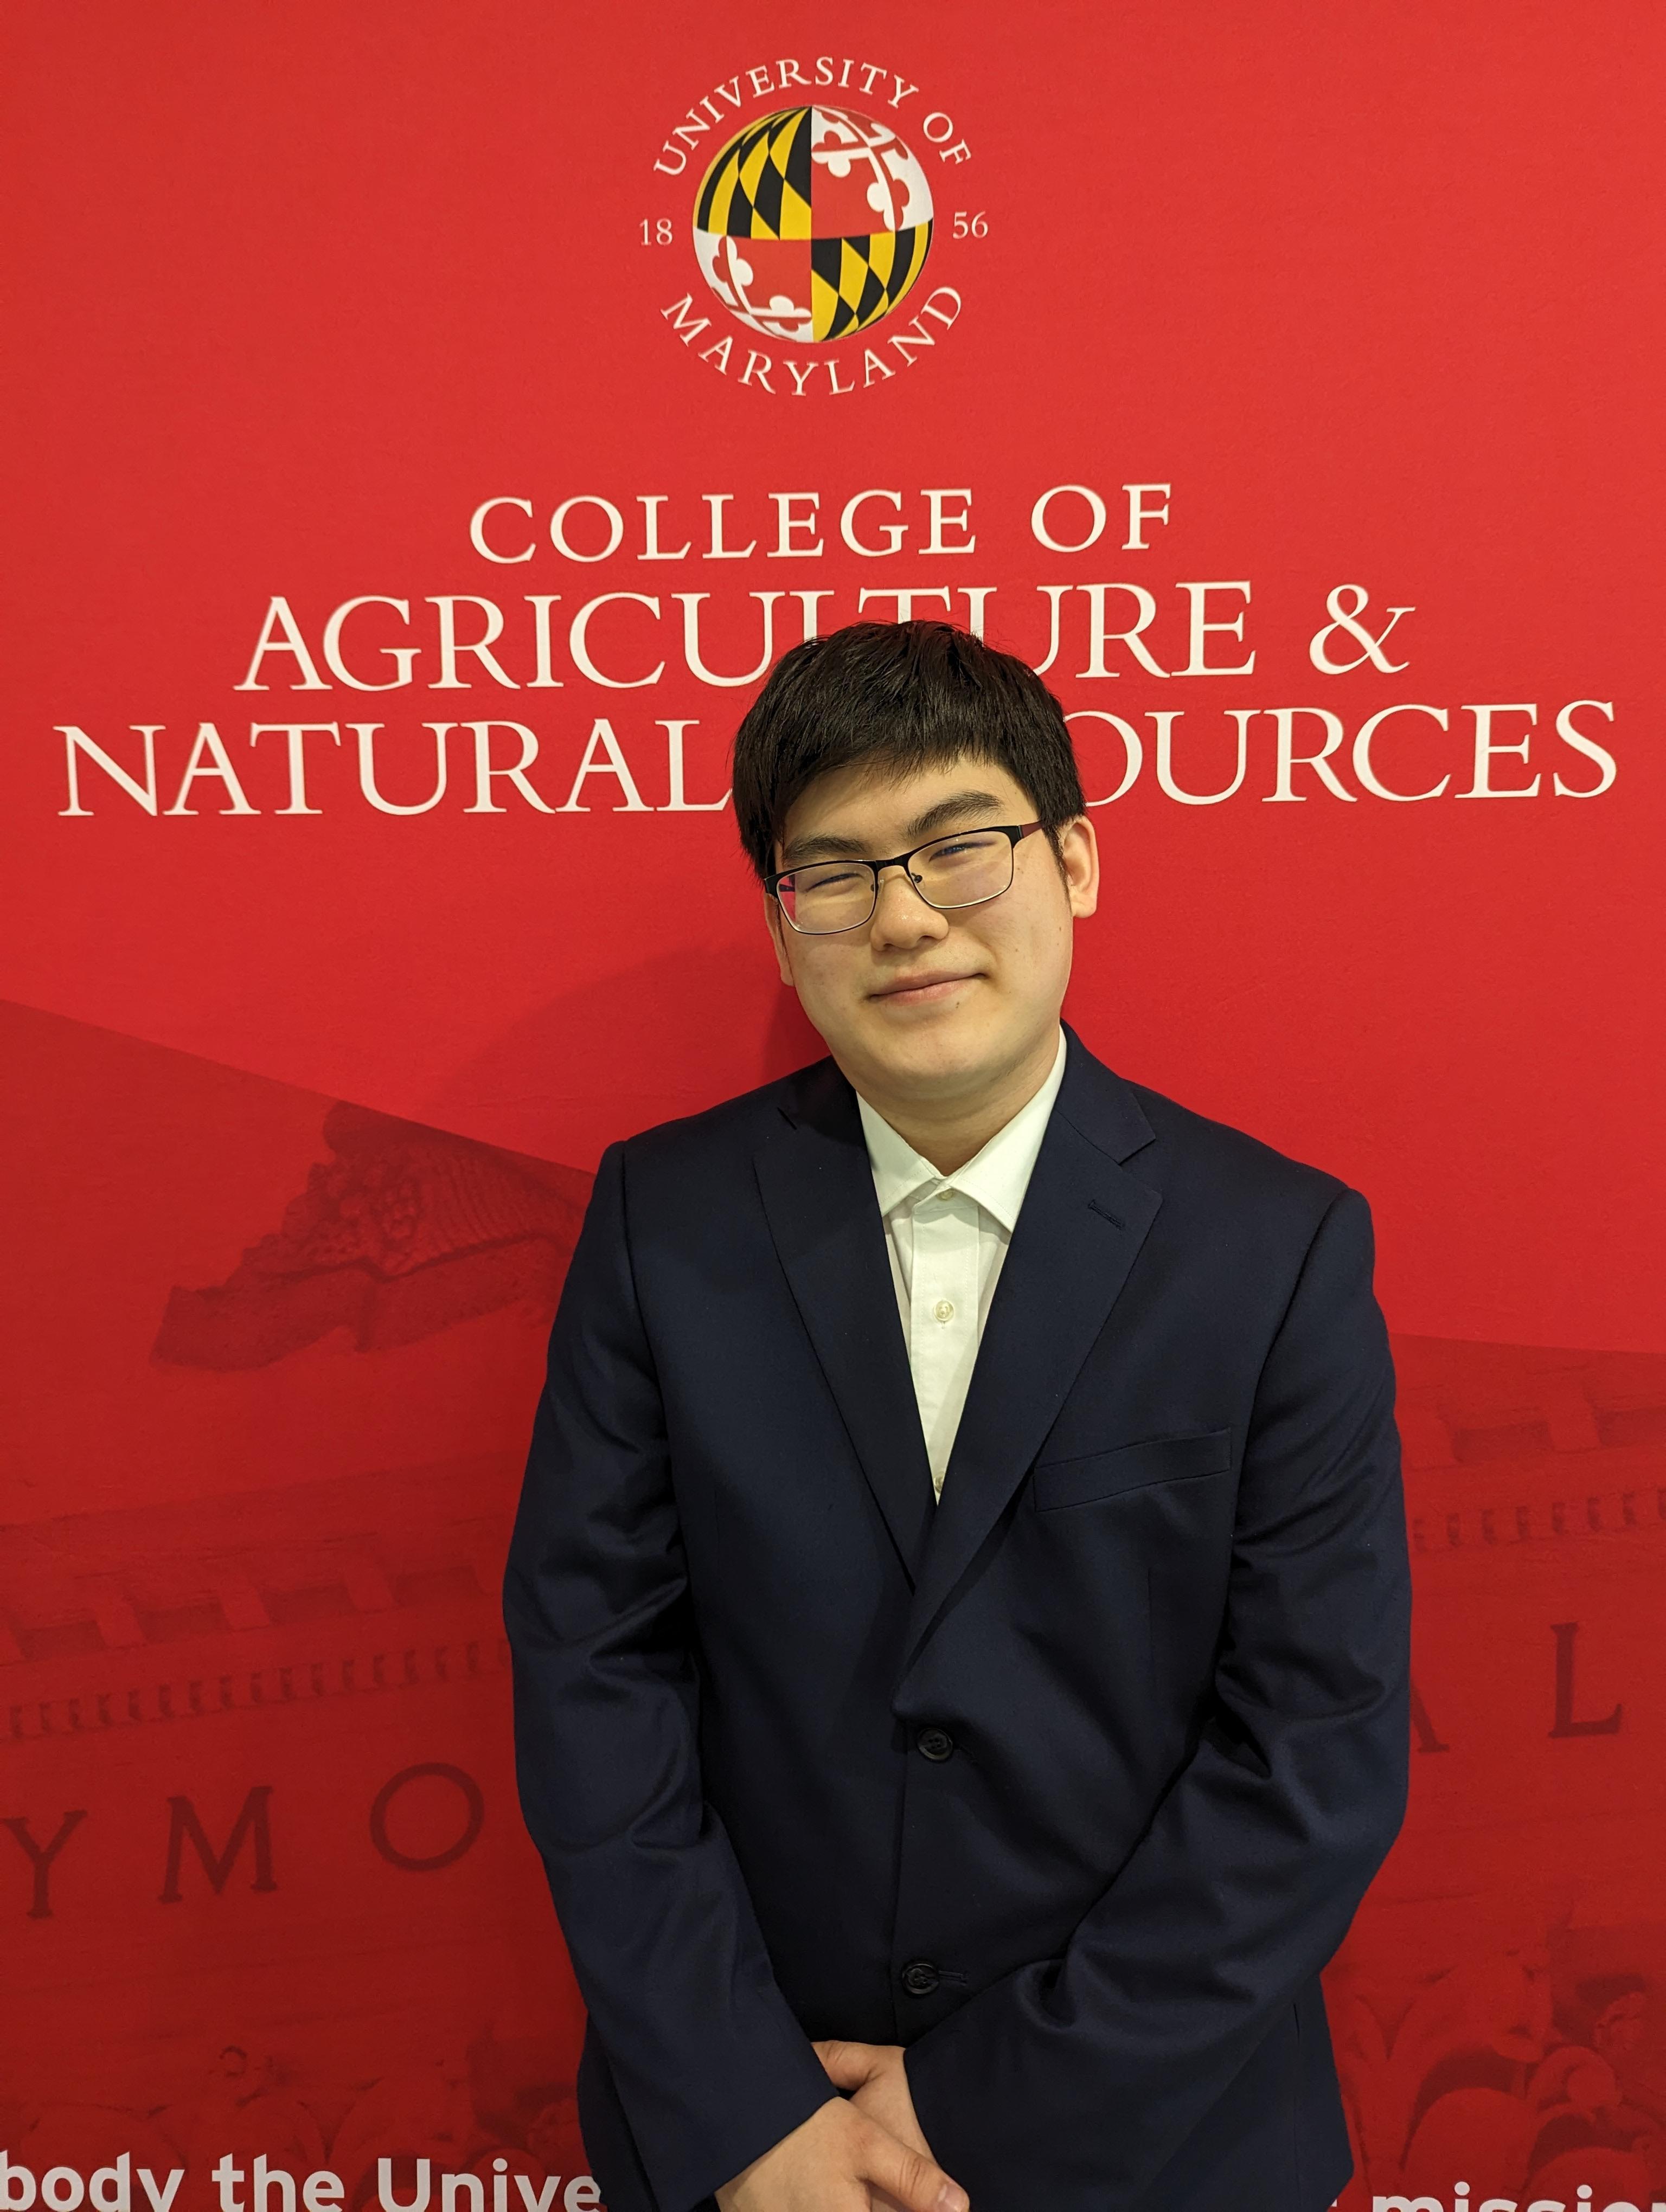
(921,990)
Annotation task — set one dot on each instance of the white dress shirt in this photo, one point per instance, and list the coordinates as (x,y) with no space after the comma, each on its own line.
(947,1236)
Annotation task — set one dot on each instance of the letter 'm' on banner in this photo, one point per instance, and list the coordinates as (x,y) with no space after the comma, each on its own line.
(253,1823)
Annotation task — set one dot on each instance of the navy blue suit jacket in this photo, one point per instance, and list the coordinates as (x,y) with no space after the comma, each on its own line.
(1070,1784)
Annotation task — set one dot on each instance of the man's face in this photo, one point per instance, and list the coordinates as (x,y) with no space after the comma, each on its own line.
(921,1006)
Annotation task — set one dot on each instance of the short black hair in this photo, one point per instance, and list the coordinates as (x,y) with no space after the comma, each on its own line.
(898,695)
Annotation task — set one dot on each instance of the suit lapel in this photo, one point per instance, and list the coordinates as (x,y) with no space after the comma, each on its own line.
(1084,1219)
(817,1192)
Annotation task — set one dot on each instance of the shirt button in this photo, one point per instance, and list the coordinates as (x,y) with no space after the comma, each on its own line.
(944,1310)
(935,1743)
(920,1978)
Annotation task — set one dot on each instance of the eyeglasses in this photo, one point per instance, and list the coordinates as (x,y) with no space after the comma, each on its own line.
(964,869)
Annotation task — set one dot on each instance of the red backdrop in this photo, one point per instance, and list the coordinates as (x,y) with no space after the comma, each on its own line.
(1370,308)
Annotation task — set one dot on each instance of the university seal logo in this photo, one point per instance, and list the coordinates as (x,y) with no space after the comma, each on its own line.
(812,223)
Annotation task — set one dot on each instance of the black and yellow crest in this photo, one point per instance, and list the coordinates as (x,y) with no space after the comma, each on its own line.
(812,222)
(759,184)
(854,281)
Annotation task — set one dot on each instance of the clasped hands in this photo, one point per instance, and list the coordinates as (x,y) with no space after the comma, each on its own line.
(863,2149)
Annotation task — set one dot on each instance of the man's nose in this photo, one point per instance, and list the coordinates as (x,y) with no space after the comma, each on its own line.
(900,916)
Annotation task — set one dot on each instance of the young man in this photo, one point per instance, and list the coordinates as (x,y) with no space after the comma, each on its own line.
(959,1599)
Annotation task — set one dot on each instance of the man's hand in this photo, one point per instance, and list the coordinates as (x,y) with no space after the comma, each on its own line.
(840,2160)
(874,2075)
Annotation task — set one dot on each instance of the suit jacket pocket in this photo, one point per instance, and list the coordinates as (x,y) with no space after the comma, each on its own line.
(1130,1467)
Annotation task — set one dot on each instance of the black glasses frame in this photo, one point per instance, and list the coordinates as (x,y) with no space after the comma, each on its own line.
(1016,832)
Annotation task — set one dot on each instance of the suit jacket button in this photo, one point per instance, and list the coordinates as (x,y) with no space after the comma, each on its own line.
(935,1743)
(920,1978)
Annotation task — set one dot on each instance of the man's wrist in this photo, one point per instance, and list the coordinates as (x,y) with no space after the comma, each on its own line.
(725,2189)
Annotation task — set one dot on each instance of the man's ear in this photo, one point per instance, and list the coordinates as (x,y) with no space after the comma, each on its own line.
(777,927)
(1079,860)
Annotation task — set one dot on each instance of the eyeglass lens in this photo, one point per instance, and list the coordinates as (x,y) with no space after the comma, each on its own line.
(959,871)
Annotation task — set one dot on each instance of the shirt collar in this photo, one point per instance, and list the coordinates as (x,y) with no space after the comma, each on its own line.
(995,1178)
